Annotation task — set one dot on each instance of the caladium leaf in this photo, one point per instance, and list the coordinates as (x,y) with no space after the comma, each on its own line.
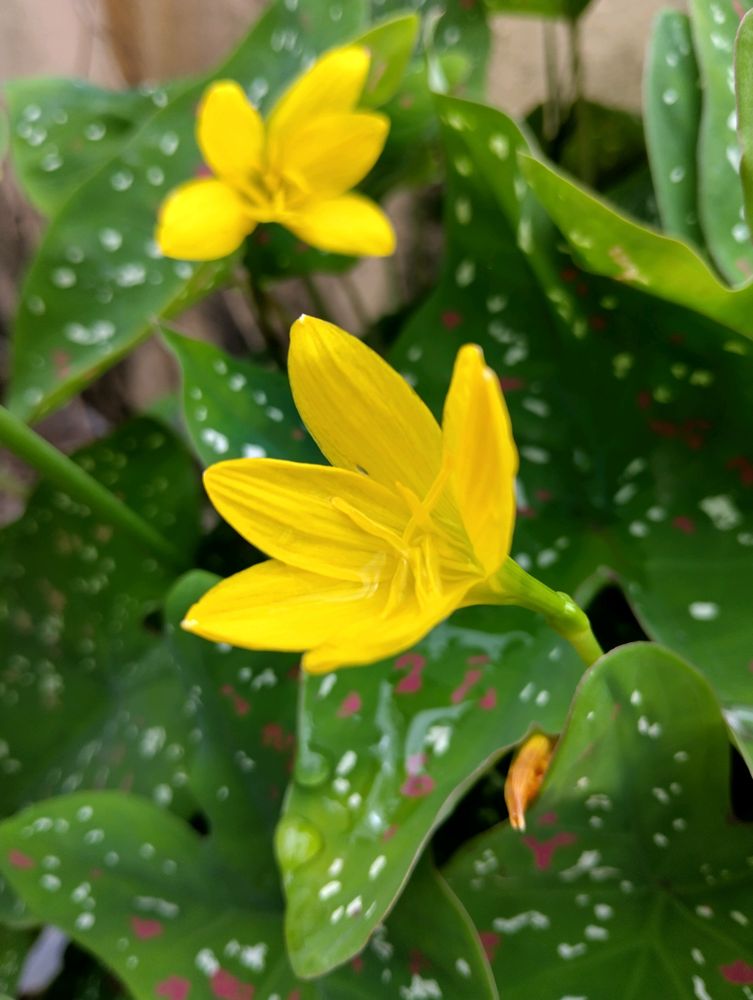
(89,693)
(386,751)
(175,914)
(237,409)
(631,870)
(664,476)
(62,130)
(613,245)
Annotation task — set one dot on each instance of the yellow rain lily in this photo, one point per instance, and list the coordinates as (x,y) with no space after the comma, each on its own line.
(410,522)
(296,168)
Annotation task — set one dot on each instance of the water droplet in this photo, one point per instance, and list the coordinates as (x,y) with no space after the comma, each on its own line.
(296,842)
(311,769)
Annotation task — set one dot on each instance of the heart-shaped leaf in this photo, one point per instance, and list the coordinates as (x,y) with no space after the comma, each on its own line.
(672,103)
(385,752)
(178,915)
(632,870)
(664,476)
(89,695)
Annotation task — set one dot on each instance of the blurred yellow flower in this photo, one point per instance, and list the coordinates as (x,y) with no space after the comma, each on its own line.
(295,169)
(410,523)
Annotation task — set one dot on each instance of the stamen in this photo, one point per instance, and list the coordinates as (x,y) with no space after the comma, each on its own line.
(426,571)
(420,514)
(369,526)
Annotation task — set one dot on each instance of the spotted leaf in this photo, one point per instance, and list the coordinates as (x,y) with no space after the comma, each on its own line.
(663,477)
(720,194)
(89,694)
(166,911)
(62,130)
(672,100)
(384,753)
(632,869)
(614,245)
(242,707)
(237,409)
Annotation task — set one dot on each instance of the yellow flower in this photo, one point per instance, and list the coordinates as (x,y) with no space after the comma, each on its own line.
(410,523)
(295,169)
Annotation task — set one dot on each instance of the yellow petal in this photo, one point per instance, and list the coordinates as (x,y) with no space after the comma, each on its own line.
(333,84)
(310,516)
(230,131)
(333,153)
(202,220)
(385,636)
(363,415)
(349,224)
(482,455)
(274,606)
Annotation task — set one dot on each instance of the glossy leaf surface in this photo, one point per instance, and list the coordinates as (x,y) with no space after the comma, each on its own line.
(90,697)
(672,103)
(632,870)
(130,882)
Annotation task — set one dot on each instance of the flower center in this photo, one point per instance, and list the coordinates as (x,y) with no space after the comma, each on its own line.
(271,193)
(419,551)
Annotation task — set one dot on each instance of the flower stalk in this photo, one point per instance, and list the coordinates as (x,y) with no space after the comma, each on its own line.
(66,474)
(558,609)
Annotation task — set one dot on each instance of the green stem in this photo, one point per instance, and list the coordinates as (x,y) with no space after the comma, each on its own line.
(515,586)
(262,306)
(552,104)
(315,295)
(69,476)
(356,302)
(580,111)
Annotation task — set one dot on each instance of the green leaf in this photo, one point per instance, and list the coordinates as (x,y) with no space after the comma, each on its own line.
(539,8)
(236,409)
(459,28)
(386,751)
(391,45)
(611,244)
(98,282)
(672,102)
(14,946)
(631,871)
(243,707)
(663,477)
(62,130)
(744,81)
(90,696)
(175,914)
(720,196)
(171,919)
